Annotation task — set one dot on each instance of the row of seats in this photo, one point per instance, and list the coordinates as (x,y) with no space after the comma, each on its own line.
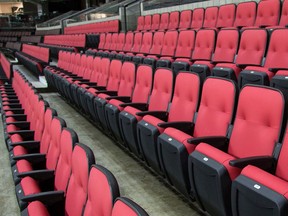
(267,13)
(8,39)
(15,46)
(31,39)
(66,40)
(33,57)
(198,136)
(249,56)
(14,33)
(54,174)
(6,69)
(106,26)
(41,32)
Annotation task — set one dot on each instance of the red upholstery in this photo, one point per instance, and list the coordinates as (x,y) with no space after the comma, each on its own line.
(185,45)
(40,53)
(245,14)
(124,207)
(164,21)
(68,40)
(169,43)
(140,23)
(102,41)
(137,42)
(210,19)
(174,20)
(157,43)
(185,19)
(120,41)
(226,16)
(198,18)
(147,22)
(128,42)
(155,21)
(37,208)
(146,42)
(268,13)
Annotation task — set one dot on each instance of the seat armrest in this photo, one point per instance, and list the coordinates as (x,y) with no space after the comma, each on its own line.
(220,142)
(163,115)
(89,83)
(186,127)
(121,98)
(47,198)
(246,65)
(27,144)
(100,88)
(14,105)
(16,110)
(140,106)
(18,117)
(38,174)
(262,162)
(112,93)
(23,125)
(33,158)
(26,134)
(274,70)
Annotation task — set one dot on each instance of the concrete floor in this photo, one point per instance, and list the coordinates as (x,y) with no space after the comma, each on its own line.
(136,181)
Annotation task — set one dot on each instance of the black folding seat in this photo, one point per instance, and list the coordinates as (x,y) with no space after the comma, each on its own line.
(257,191)
(158,101)
(256,131)
(125,87)
(51,179)
(71,199)
(103,190)
(114,74)
(30,162)
(182,109)
(141,92)
(256,41)
(203,50)
(225,52)
(124,206)
(215,114)
(275,60)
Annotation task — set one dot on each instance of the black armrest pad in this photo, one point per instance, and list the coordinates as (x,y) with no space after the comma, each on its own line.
(15,105)
(27,144)
(99,88)
(263,162)
(112,93)
(89,83)
(47,198)
(38,174)
(21,124)
(18,117)
(245,65)
(16,110)
(186,127)
(158,114)
(140,106)
(25,134)
(121,98)
(220,142)
(33,158)
(274,70)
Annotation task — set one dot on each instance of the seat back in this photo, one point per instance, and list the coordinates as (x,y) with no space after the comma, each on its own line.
(103,190)
(82,160)
(137,42)
(129,42)
(185,19)
(147,22)
(64,166)
(245,14)
(120,41)
(226,46)
(186,97)
(39,120)
(114,42)
(89,67)
(283,159)
(164,21)
(186,43)
(96,69)
(146,42)
(127,79)
(162,90)
(256,40)
(256,127)
(143,85)
(46,136)
(53,152)
(278,50)
(114,75)
(217,106)
(169,43)
(284,14)
(124,207)
(140,23)
(102,41)
(204,44)
(268,13)
(157,43)
(174,20)
(108,41)
(197,18)
(104,72)
(210,19)
(155,21)
(226,16)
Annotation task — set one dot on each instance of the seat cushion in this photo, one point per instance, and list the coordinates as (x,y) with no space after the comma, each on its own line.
(260,69)
(209,64)
(16,138)
(219,156)
(236,69)
(116,103)
(29,186)
(133,112)
(37,208)
(23,166)
(103,96)
(19,150)
(153,121)
(11,128)
(93,91)
(180,137)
